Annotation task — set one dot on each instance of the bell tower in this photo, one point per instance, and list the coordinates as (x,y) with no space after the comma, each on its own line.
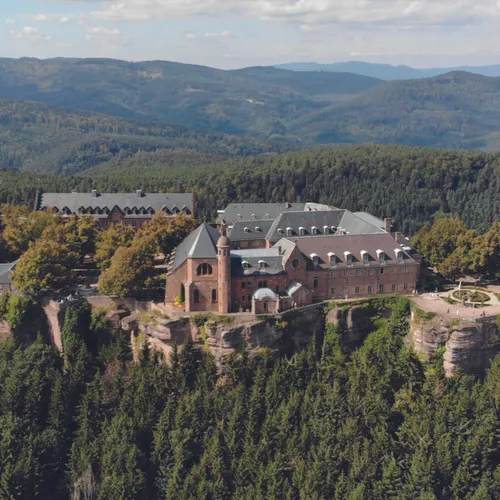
(224,273)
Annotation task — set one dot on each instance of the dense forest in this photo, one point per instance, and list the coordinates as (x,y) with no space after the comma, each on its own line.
(412,185)
(35,137)
(457,109)
(373,423)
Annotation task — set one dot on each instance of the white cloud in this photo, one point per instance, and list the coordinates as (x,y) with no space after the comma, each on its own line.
(29,33)
(64,20)
(41,17)
(308,11)
(10,21)
(222,34)
(110,36)
(190,36)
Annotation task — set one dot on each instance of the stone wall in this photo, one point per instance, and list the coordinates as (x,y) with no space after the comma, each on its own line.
(469,346)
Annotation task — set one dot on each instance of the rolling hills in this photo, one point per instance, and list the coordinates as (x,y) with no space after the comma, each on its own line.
(35,137)
(388,71)
(283,109)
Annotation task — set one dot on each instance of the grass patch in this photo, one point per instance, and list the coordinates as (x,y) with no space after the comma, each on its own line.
(475,288)
(203,318)
(423,315)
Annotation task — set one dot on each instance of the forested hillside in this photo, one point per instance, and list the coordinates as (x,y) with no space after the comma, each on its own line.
(412,185)
(458,109)
(35,137)
(453,110)
(373,423)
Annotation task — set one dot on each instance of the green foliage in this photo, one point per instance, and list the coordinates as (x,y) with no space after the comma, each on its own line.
(324,423)
(17,309)
(423,315)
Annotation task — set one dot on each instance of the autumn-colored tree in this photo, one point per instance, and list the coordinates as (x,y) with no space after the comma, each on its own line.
(23,227)
(46,264)
(109,241)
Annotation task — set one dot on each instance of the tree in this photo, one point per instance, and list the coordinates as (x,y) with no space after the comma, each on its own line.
(126,274)
(45,265)
(23,227)
(107,242)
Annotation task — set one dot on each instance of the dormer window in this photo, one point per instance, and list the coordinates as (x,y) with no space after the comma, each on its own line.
(302,231)
(348,258)
(314,230)
(326,230)
(332,259)
(280,231)
(365,257)
(289,231)
(262,264)
(381,256)
(257,229)
(399,254)
(267,216)
(253,216)
(245,264)
(247,230)
(334,229)
(315,260)
(239,216)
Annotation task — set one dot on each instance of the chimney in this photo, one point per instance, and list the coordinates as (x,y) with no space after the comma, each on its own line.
(388,225)
(398,236)
(94,193)
(138,192)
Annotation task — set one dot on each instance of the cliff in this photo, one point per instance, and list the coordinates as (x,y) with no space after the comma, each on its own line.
(468,345)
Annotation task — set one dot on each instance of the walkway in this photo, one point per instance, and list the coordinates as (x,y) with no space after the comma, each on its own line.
(434,302)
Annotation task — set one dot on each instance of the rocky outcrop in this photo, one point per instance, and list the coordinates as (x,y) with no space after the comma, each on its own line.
(469,346)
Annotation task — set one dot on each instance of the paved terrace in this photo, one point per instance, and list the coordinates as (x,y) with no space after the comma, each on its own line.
(433,302)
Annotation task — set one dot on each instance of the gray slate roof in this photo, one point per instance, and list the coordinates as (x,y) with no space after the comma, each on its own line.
(238,233)
(371,219)
(6,273)
(332,218)
(200,244)
(263,293)
(256,211)
(271,256)
(156,201)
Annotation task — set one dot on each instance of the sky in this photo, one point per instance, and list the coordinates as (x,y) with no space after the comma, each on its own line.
(237,33)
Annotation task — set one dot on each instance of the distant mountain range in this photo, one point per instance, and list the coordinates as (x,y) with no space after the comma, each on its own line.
(147,106)
(386,71)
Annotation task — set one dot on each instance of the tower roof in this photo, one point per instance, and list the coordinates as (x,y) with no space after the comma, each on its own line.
(200,244)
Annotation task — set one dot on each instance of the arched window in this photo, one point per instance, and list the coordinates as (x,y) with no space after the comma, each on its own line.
(214,295)
(315,282)
(204,269)
(196,296)
(289,231)
(262,284)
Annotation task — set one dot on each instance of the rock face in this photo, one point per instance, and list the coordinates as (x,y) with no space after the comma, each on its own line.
(469,346)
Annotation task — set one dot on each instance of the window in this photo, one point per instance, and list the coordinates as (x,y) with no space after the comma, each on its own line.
(358,273)
(382,271)
(245,264)
(289,231)
(315,282)
(314,230)
(302,231)
(333,260)
(265,306)
(401,256)
(262,284)
(196,296)
(332,292)
(134,223)
(366,259)
(326,230)
(315,260)
(346,292)
(356,290)
(346,274)
(277,289)
(370,289)
(243,284)
(349,259)
(407,269)
(393,287)
(406,286)
(262,264)
(214,295)
(295,263)
(243,297)
(334,274)
(381,288)
(381,257)
(204,269)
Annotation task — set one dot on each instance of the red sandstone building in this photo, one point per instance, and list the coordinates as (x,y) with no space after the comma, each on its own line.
(323,255)
(131,209)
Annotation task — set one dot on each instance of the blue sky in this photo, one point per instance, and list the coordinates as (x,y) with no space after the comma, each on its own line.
(238,33)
